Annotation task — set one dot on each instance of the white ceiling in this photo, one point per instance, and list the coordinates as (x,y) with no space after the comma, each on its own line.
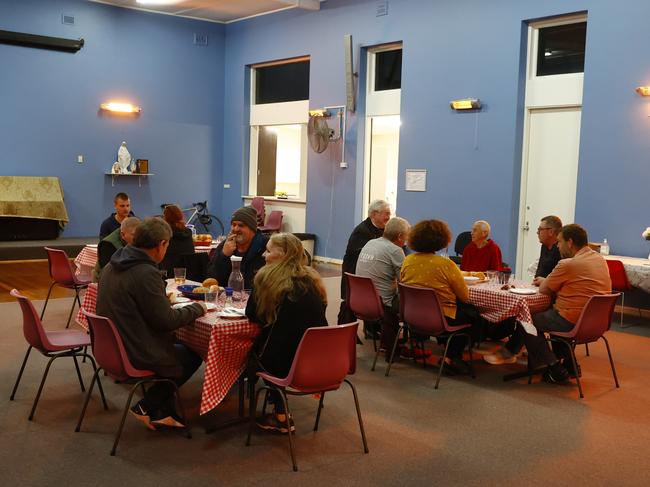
(222,11)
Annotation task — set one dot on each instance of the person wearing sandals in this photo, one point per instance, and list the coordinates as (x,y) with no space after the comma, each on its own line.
(288,298)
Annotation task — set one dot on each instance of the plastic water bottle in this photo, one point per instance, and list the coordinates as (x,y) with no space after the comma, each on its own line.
(236,280)
(228,298)
(604,248)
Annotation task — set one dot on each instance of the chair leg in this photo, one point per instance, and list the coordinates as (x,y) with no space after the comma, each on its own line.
(99,382)
(252,410)
(622,307)
(287,416)
(575,365)
(184,418)
(20,373)
(124,413)
(40,388)
(611,361)
(47,299)
(87,400)
(320,406)
(442,362)
(392,352)
(356,405)
(75,300)
(587,349)
(76,366)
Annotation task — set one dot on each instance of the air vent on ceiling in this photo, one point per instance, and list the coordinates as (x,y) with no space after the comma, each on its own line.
(201,39)
(67,19)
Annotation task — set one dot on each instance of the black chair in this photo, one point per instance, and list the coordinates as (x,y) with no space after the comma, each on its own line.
(462,240)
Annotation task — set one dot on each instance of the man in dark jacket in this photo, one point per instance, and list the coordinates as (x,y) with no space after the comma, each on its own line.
(370,228)
(132,294)
(244,241)
(122,205)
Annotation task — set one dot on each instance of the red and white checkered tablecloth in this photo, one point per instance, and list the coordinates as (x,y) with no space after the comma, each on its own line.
(496,305)
(89,303)
(85,261)
(223,344)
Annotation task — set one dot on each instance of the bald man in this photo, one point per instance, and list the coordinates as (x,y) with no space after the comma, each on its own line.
(481,254)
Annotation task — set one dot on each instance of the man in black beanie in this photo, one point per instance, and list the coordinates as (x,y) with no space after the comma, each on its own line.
(244,241)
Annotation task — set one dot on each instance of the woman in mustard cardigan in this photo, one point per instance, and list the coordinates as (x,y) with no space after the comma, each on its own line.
(426,269)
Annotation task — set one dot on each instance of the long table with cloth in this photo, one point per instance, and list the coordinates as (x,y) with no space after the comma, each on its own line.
(637,270)
(496,304)
(31,208)
(222,343)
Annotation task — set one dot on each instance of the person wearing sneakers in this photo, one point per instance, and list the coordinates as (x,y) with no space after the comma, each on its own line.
(426,269)
(245,241)
(132,294)
(580,274)
(288,298)
(381,260)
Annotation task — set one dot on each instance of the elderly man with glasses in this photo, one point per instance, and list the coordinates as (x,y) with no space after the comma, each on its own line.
(549,255)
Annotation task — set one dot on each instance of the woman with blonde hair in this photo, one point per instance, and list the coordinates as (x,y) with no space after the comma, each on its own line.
(288,298)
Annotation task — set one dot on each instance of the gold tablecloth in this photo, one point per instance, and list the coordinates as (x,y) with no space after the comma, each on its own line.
(32,197)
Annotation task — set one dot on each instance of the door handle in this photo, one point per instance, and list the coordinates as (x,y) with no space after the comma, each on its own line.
(525,228)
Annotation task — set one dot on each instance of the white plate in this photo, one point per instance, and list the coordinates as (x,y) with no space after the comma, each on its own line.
(471,278)
(522,290)
(231,313)
(94,246)
(182,299)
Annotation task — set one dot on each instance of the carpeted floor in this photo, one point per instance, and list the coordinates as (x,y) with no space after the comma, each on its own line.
(469,432)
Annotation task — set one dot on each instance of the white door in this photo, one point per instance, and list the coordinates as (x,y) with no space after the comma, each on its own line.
(551,174)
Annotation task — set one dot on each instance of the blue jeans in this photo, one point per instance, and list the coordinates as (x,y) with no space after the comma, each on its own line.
(160,396)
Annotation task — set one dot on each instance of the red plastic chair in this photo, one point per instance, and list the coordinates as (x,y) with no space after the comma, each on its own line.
(52,344)
(421,311)
(325,356)
(111,356)
(63,274)
(620,282)
(595,319)
(274,223)
(364,302)
(258,204)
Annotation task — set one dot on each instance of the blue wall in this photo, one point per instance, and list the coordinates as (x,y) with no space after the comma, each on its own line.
(50,104)
(193,127)
(451,50)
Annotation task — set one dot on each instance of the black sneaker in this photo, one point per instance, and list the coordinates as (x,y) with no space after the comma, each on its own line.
(556,374)
(167,418)
(270,422)
(141,414)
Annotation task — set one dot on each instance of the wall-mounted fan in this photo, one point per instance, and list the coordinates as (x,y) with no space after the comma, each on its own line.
(318,132)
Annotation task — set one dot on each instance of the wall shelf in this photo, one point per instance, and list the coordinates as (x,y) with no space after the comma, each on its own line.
(140,176)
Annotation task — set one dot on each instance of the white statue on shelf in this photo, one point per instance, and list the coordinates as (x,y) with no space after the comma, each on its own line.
(123,158)
(116,169)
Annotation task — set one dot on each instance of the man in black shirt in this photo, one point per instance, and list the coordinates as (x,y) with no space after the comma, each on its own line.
(370,228)
(549,255)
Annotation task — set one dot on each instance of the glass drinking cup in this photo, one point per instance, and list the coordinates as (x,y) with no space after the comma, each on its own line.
(179,275)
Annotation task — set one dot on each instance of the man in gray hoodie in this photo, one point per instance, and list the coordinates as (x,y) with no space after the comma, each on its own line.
(131,292)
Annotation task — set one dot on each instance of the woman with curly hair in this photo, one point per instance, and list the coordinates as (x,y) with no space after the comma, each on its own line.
(288,298)
(181,242)
(426,269)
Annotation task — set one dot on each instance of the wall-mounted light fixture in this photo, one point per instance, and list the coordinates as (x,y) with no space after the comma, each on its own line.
(119,107)
(465,104)
(643,90)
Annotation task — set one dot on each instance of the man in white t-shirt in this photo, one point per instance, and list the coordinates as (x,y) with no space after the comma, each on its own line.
(381,260)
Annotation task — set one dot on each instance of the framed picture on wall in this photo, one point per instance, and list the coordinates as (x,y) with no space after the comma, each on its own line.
(142,166)
(416,180)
